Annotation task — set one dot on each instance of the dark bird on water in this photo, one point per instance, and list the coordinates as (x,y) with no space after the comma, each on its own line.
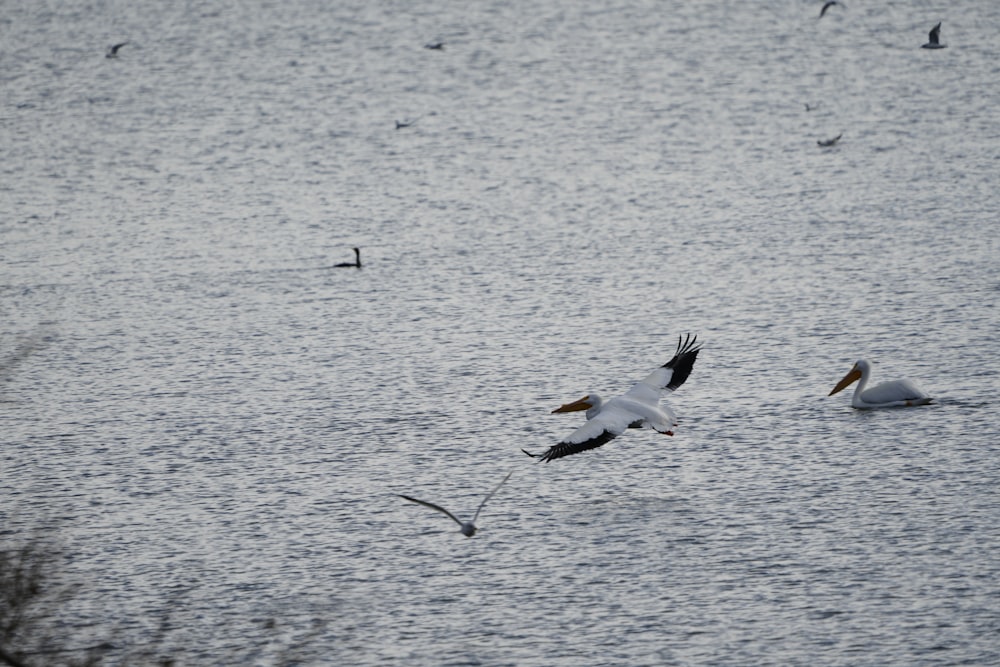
(934,37)
(827,6)
(113,51)
(435,46)
(356,264)
(404,123)
(638,407)
(468,528)
(826,143)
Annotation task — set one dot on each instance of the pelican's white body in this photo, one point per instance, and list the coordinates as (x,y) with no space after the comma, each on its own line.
(895,393)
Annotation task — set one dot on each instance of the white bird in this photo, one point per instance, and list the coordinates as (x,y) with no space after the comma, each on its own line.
(638,407)
(895,393)
(468,528)
(934,38)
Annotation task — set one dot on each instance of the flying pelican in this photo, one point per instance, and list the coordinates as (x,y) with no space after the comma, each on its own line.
(355,264)
(934,37)
(895,393)
(829,142)
(827,6)
(468,528)
(113,51)
(638,407)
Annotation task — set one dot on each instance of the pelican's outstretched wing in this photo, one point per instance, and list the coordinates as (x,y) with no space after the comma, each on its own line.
(432,506)
(672,374)
(490,495)
(595,432)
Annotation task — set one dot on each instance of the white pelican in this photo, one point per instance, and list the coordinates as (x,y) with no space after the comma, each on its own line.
(934,38)
(895,393)
(638,407)
(355,264)
(468,528)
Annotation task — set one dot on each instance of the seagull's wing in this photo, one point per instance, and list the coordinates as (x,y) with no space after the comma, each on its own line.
(432,506)
(490,495)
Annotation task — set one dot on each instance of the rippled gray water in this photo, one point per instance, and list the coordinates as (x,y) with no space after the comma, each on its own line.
(215,423)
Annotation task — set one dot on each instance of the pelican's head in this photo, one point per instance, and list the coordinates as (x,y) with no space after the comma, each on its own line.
(861,366)
(468,529)
(585,403)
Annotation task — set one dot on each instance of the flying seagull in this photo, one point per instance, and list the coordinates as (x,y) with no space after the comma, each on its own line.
(638,407)
(935,38)
(113,51)
(468,528)
(826,143)
(827,6)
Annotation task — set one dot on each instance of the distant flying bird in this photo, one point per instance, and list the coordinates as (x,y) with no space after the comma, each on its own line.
(435,46)
(828,5)
(826,143)
(113,51)
(935,38)
(638,407)
(356,264)
(468,528)
(895,393)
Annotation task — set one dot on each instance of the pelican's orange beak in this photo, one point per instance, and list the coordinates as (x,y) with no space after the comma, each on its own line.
(846,380)
(575,406)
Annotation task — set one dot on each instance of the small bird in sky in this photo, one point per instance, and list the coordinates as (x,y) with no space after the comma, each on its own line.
(113,51)
(468,528)
(827,6)
(934,37)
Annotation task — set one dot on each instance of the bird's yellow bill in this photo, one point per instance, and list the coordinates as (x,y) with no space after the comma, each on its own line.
(575,406)
(846,381)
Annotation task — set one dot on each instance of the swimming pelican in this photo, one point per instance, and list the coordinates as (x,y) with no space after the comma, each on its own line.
(468,528)
(113,51)
(934,37)
(355,264)
(638,407)
(896,393)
